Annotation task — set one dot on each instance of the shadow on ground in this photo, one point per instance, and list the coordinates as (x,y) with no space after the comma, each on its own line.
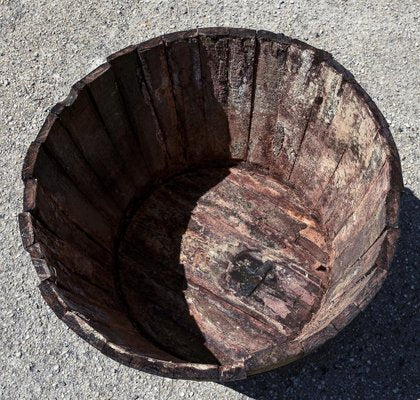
(377,355)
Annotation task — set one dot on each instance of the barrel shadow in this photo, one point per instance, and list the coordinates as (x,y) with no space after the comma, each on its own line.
(151,276)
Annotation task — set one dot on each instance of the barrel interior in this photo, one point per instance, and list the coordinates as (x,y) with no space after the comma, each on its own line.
(213,203)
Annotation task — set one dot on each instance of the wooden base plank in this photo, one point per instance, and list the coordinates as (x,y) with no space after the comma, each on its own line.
(211,244)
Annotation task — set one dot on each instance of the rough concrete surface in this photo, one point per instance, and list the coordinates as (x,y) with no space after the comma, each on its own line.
(47,45)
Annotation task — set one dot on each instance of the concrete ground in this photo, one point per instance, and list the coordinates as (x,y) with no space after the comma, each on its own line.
(46,45)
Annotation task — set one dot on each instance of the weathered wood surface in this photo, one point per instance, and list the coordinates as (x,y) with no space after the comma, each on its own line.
(183,55)
(140,110)
(156,74)
(212,204)
(103,89)
(242,60)
(224,219)
(85,127)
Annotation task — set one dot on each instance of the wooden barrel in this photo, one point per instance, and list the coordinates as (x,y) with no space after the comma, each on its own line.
(211,204)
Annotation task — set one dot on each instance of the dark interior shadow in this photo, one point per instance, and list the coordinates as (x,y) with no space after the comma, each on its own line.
(151,277)
(377,355)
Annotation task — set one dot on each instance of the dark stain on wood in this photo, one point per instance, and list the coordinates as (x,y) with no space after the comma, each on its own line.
(247,272)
